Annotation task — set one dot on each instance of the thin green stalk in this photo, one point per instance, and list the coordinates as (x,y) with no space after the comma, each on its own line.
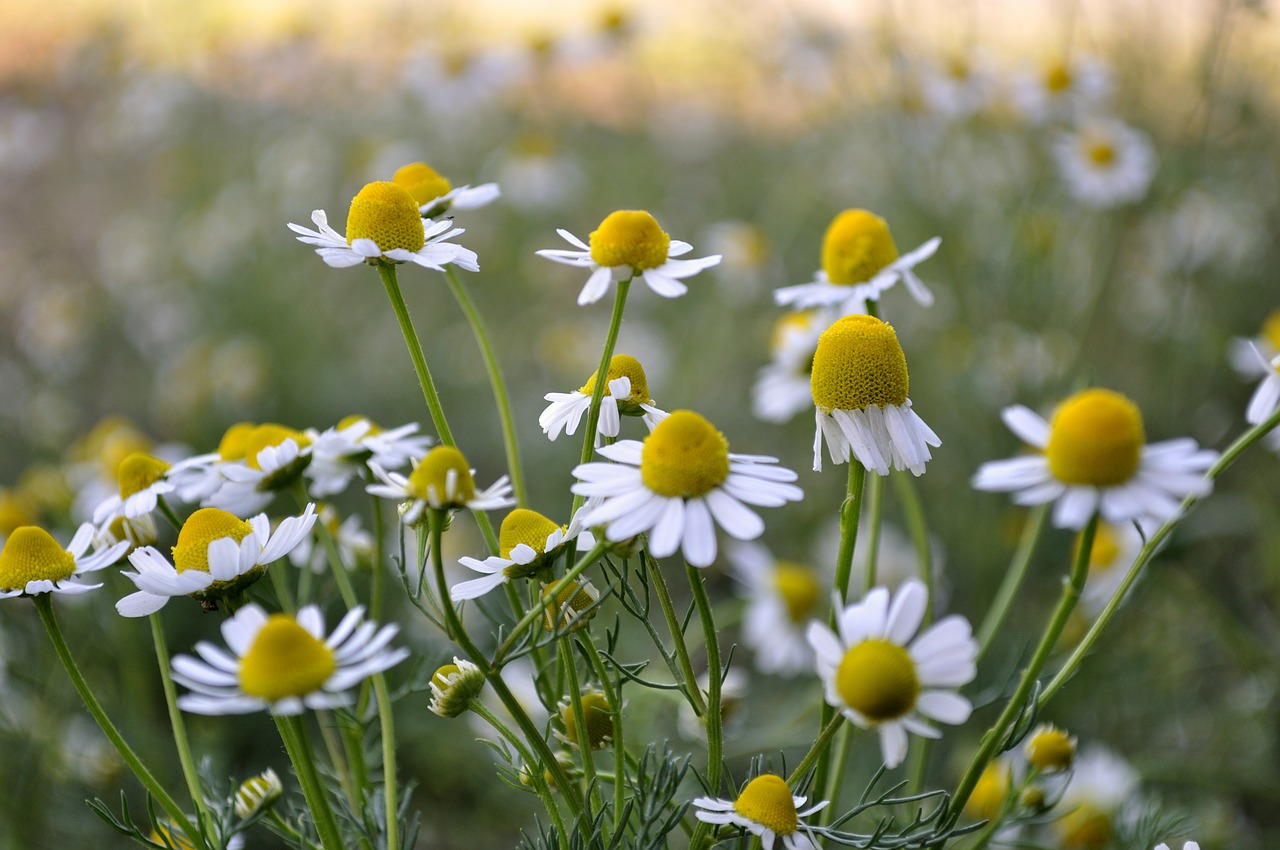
(536,778)
(180,740)
(514,467)
(569,668)
(379,559)
(875,499)
(819,747)
(168,514)
(614,696)
(836,779)
(352,747)
(713,718)
(549,595)
(690,684)
(44,607)
(281,586)
(390,792)
(1013,578)
(294,736)
(913,511)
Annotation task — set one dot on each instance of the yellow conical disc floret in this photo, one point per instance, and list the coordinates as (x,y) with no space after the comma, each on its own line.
(1057,77)
(421,181)
(524,526)
(1271,329)
(285,660)
(348,421)
(767,801)
(1095,438)
(202,528)
(878,680)
(684,456)
(233,443)
(623,366)
(858,363)
(1100,152)
(857,245)
(387,214)
(990,792)
(1049,748)
(268,435)
(31,554)
(630,238)
(567,610)
(432,477)
(138,472)
(799,589)
(598,716)
(1084,828)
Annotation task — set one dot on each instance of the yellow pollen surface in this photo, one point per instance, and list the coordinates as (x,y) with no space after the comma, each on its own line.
(1271,329)
(232,445)
(799,589)
(441,677)
(568,605)
(31,554)
(202,528)
(285,660)
(386,213)
(348,421)
(138,472)
(989,794)
(1095,438)
(1051,749)
(267,435)
(599,719)
(1084,828)
(421,181)
(858,363)
(630,238)
(878,680)
(1100,153)
(767,801)
(623,366)
(432,474)
(685,456)
(1057,78)
(857,245)
(524,526)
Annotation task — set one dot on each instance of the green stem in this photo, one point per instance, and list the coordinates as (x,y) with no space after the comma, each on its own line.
(913,511)
(390,793)
(1013,578)
(549,595)
(713,717)
(569,667)
(690,684)
(876,502)
(294,736)
(815,752)
(379,559)
(44,607)
(180,740)
(516,470)
(168,514)
(536,777)
(614,697)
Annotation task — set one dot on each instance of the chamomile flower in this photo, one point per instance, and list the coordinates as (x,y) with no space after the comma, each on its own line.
(258,793)
(1244,351)
(597,714)
(1105,163)
(283,664)
(859,385)
(881,675)
(781,389)
(274,456)
(1094,458)
(528,543)
(678,485)
(435,195)
(142,482)
(355,544)
(383,223)
(626,393)
(782,597)
(629,243)
(339,453)
(441,481)
(454,686)
(1063,88)
(1100,785)
(217,554)
(959,86)
(1266,398)
(32,562)
(764,807)
(859,263)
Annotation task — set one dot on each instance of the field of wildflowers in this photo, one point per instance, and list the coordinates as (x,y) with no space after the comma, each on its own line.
(655,428)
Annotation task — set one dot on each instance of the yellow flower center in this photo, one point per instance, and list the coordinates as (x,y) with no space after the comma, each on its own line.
(598,716)
(441,677)
(787,325)
(285,660)
(858,363)
(265,436)
(568,605)
(1271,329)
(1051,749)
(348,421)
(685,456)
(1106,548)
(857,245)
(623,366)
(1100,153)
(1095,438)
(630,238)
(524,526)
(202,528)
(428,481)
(767,801)
(989,793)
(139,471)
(31,554)
(386,213)
(1057,78)
(232,445)
(422,181)
(1084,828)
(878,680)
(799,589)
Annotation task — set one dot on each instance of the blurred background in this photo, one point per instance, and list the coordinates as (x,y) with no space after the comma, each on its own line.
(151,155)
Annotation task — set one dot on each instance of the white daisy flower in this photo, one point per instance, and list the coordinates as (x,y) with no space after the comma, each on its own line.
(859,384)
(33,562)
(435,195)
(883,676)
(284,664)
(453,686)
(441,481)
(1099,785)
(339,453)
(1094,458)
(355,544)
(142,481)
(781,389)
(1189,845)
(217,554)
(198,477)
(1067,87)
(782,597)
(959,86)
(859,263)
(1105,163)
(1244,352)
(627,392)
(273,458)
(626,244)
(767,808)
(678,485)
(528,543)
(383,223)
(1266,398)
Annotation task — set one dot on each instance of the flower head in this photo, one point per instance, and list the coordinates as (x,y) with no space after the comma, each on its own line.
(626,244)
(1100,784)
(442,480)
(991,791)
(1266,398)
(435,195)
(1105,163)
(528,543)
(1050,749)
(270,458)
(32,562)
(881,675)
(143,479)
(782,387)
(626,394)
(782,597)
(765,807)
(258,793)
(453,686)
(340,452)
(597,714)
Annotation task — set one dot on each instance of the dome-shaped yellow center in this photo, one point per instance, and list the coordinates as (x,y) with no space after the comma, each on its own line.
(1100,152)
(878,680)
(387,214)
(598,716)
(799,589)
(630,238)
(685,456)
(31,554)
(1271,329)
(858,363)
(623,366)
(857,245)
(202,528)
(569,605)
(524,526)
(1095,438)
(442,678)
(139,471)
(285,660)
(767,801)
(431,477)
(1051,749)
(1084,828)
(348,421)
(232,445)
(989,793)
(421,181)
(268,435)
(1057,78)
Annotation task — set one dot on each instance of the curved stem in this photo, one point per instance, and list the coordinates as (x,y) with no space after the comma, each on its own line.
(550,593)
(538,780)
(713,717)
(1013,578)
(189,772)
(294,737)
(690,685)
(913,511)
(570,668)
(614,697)
(815,752)
(390,793)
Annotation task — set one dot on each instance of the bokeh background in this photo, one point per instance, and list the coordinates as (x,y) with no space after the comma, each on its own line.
(151,155)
